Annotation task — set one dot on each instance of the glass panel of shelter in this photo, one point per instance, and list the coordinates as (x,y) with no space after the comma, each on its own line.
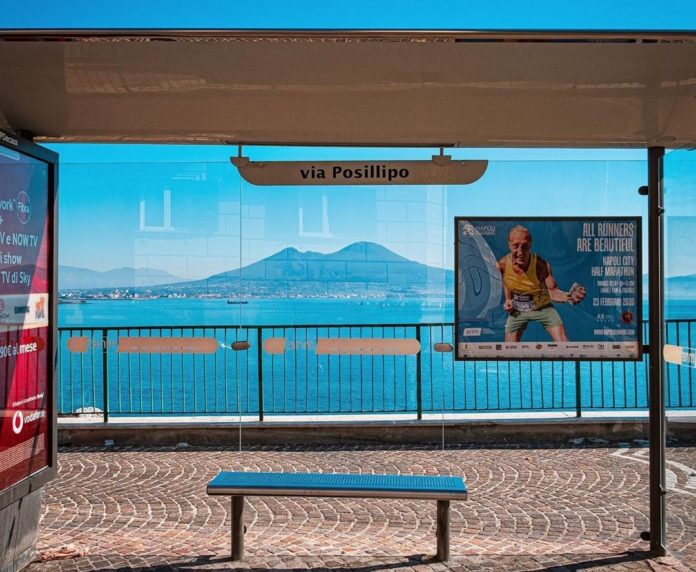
(239,284)
(328,264)
(302,302)
(680,330)
(339,281)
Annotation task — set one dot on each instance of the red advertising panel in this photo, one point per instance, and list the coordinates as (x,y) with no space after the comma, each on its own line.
(25,337)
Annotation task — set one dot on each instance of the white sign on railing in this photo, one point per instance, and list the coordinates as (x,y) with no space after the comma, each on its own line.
(679,355)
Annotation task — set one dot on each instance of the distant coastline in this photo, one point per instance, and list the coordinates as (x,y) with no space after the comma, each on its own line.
(362,269)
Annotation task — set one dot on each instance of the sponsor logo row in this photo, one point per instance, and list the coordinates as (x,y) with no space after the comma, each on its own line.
(586,350)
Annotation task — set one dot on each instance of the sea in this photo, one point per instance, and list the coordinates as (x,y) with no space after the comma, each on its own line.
(249,382)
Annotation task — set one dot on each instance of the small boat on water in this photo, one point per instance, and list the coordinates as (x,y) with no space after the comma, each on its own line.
(237,301)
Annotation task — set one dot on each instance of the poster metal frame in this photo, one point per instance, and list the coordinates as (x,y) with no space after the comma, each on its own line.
(521,219)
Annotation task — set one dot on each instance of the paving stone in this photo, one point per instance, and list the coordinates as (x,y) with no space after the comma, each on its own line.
(569,508)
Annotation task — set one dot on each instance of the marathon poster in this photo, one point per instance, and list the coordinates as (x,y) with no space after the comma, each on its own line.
(24,316)
(548,288)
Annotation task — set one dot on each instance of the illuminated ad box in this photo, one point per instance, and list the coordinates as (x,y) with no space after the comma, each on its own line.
(548,288)
(26,338)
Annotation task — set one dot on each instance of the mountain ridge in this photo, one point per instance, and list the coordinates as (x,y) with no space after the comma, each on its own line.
(357,269)
(360,267)
(75,277)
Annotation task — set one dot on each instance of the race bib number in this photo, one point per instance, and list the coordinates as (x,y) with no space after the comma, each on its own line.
(523,302)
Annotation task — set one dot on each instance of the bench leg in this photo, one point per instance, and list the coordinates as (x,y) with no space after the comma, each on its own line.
(237,527)
(443,530)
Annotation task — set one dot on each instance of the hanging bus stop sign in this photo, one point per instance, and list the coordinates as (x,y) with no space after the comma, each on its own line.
(441,170)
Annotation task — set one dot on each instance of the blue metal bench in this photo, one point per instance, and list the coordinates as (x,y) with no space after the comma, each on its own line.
(238,485)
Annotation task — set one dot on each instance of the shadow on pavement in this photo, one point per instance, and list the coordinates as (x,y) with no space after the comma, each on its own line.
(634,560)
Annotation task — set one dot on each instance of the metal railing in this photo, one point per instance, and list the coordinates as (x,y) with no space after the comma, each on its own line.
(252,382)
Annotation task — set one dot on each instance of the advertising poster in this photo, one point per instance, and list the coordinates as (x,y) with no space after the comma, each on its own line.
(24,316)
(548,288)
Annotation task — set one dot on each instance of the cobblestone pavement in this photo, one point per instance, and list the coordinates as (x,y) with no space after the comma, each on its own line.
(528,509)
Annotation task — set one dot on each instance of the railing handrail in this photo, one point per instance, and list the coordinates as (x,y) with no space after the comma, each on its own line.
(251,326)
(285,326)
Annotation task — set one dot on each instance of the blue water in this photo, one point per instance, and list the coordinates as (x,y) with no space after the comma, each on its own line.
(301,382)
(286,312)
(198,312)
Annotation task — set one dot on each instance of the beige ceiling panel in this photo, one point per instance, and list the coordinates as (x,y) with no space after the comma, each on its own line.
(275,90)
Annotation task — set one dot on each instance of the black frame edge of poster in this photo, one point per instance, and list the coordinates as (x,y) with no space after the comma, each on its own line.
(37,480)
(639,288)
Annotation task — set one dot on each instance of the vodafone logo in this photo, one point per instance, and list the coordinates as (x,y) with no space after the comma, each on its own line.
(17,422)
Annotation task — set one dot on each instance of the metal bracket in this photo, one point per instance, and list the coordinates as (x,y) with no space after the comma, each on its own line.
(25,134)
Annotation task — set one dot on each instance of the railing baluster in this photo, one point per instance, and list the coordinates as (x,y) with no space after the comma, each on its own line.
(625,387)
(105,372)
(285,393)
(372,372)
(384,381)
(562,384)
(183,383)
(205,380)
(419,378)
(170,378)
(273,381)
(361,374)
(118,373)
(82,379)
(405,378)
(72,383)
(246,370)
(679,369)
(578,391)
(691,385)
(429,344)
(259,368)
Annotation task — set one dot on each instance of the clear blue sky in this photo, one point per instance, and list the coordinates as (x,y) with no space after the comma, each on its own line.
(202,236)
(206,194)
(389,14)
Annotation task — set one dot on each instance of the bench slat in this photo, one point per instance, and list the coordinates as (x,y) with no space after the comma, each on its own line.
(332,484)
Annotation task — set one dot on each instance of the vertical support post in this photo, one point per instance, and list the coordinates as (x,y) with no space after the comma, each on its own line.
(656,337)
(578,392)
(419,376)
(237,527)
(259,366)
(105,373)
(443,530)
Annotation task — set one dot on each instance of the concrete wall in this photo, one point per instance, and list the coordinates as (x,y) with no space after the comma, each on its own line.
(320,433)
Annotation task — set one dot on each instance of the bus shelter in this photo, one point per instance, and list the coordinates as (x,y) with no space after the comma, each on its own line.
(362,88)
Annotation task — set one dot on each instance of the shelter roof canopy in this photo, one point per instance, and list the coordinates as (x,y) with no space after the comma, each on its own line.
(403,88)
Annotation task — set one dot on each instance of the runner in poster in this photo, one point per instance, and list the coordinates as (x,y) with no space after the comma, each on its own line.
(530,288)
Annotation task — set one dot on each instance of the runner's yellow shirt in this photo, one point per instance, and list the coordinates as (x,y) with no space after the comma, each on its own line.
(528,293)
